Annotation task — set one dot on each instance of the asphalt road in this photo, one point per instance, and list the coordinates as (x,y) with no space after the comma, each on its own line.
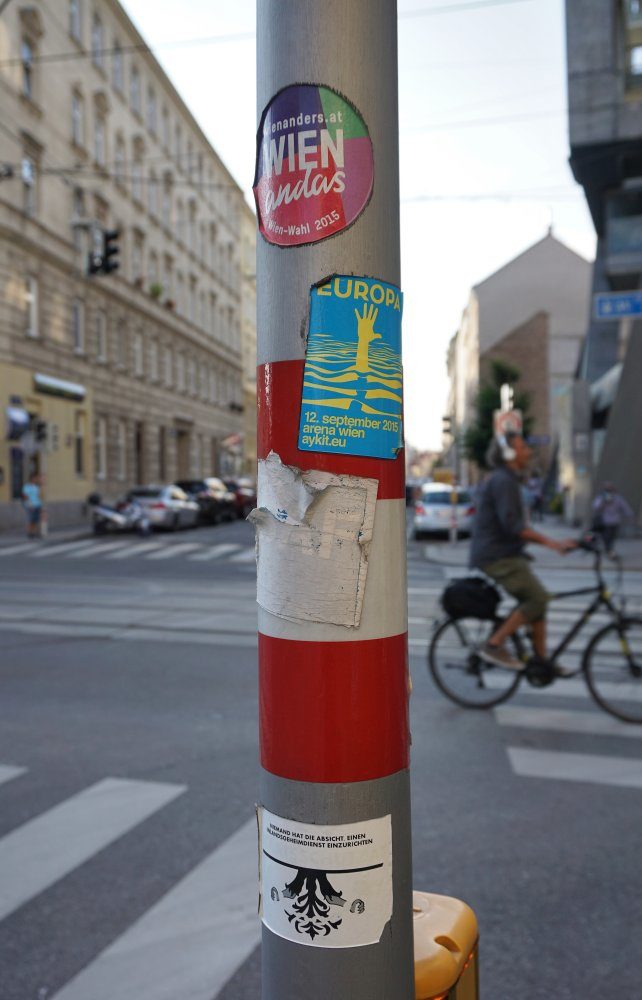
(128,777)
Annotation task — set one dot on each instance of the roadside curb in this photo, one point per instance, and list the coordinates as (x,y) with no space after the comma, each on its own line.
(71,535)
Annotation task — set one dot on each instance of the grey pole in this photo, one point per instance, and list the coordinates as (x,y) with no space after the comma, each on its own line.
(349,46)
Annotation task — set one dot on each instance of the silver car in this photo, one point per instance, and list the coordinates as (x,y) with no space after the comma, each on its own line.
(441,507)
(167,506)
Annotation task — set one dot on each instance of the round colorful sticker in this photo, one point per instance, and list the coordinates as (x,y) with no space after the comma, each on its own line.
(314,166)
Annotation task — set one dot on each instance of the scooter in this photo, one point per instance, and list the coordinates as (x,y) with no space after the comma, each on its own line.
(126,515)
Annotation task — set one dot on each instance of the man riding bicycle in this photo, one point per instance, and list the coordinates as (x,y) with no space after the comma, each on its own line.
(500,535)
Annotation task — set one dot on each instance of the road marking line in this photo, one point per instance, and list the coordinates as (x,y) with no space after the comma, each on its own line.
(16,548)
(135,550)
(8,772)
(169,551)
(560,720)
(593,768)
(117,633)
(45,849)
(53,550)
(246,556)
(216,552)
(98,548)
(191,942)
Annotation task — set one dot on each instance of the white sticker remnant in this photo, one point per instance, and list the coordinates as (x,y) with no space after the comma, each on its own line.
(326,886)
(313,534)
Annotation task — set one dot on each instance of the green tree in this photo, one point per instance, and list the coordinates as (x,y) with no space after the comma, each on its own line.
(478,436)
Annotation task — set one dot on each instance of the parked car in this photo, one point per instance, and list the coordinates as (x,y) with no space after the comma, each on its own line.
(244,491)
(167,506)
(215,502)
(435,513)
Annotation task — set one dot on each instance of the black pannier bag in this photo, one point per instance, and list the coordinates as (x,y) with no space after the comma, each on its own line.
(470,597)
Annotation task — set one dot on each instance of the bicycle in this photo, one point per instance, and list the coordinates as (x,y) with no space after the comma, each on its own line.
(611,662)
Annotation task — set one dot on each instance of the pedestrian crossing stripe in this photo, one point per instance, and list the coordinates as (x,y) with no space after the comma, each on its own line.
(150,550)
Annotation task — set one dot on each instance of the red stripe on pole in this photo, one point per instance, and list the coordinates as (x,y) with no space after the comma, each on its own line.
(279,387)
(333,711)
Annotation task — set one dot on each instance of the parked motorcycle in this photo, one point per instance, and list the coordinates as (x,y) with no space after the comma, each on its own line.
(126,515)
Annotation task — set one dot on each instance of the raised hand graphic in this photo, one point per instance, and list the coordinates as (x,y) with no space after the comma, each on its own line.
(365,335)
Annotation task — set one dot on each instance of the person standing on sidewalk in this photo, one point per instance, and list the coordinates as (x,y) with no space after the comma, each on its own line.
(32,500)
(610,509)
(500,535)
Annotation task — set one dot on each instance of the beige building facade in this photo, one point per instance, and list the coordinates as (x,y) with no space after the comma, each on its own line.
(532,312)
(135,376)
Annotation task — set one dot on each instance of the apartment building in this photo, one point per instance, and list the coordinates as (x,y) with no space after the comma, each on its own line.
(137,375)
(532,313)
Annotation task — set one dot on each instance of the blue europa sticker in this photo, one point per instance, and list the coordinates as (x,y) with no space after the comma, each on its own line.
(352,400)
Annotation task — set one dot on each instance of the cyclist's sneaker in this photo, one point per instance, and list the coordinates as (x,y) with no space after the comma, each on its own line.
(561,671)
(500,657)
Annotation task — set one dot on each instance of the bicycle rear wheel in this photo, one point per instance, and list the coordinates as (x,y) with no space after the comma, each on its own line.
(460,673)
(613,669)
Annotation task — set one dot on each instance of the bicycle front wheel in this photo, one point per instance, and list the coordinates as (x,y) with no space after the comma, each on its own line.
(613,669)
(458,670)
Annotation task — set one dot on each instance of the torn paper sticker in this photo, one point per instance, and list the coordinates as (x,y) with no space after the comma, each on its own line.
(313,534)
(326,886)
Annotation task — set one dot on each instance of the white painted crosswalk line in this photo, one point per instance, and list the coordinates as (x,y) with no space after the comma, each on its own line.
(595,723)
(216,552)
(54,550)
(11,550)
(42,851)
(98,548)
(596,769)
(8,772)
(246,556)
(192,941)
(135,550)
(169,551)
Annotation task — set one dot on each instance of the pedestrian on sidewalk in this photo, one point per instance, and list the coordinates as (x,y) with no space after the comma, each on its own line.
(610,509)
(32,501)
(499,537)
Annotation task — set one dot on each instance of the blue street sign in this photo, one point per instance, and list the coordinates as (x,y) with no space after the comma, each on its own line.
(617,305)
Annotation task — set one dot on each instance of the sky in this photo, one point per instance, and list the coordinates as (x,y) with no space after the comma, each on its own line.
(483,147)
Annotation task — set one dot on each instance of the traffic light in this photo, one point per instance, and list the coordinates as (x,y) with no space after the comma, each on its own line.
(110,250)
(447,426)
(41,431)
(103,259)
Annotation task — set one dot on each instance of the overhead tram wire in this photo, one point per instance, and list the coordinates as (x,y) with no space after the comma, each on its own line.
(143,47)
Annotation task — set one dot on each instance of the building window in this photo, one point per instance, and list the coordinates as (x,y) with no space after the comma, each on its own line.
(117,75)
(26,57)
(180,373)
(168,366)
(134,90)
(203,381)
(138,355)
(78,326)
(77,119)
(162,451)
(121,450)
(119,161)
(137,180)
(178,145)
(167,201)
(191,223)
(101,336)
(31,306)
(635,64)
(152,195)
(213,393)
(100,155)
(100,448)
(29,192)
(180,295)
(97,43)
(137,259)
(121,344)
(192,300)
(152,271)
(79,444)
(191,377)
(151,110)
(153,361)
(165,128)
(75,25)
(180,221)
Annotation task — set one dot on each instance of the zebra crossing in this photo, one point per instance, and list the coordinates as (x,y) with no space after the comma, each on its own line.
(189,943)
(121,549)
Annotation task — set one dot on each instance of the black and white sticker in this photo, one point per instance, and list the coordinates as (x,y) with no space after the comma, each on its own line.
(326,886)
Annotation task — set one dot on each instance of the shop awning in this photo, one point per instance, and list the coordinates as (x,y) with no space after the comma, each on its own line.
(59,387)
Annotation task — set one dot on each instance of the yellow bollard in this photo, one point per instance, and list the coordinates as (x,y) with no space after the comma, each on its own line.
(446,938)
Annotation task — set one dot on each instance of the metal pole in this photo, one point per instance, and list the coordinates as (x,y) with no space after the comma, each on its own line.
(334,736)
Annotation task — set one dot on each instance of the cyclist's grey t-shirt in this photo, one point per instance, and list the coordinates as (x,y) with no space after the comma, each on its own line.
(499,520)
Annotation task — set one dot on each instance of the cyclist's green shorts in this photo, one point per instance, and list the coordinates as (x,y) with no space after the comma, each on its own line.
(515,575)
